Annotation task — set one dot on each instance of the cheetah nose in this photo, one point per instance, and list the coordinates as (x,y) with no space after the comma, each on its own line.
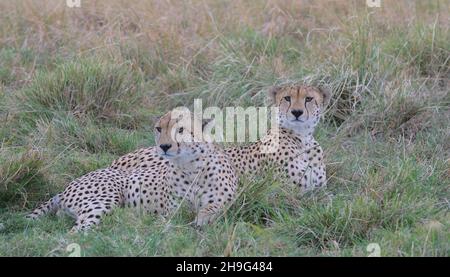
(165,147)
(297,113)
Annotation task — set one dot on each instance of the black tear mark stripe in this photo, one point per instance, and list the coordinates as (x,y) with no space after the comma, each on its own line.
(306,108)
(168,122)
(289,105)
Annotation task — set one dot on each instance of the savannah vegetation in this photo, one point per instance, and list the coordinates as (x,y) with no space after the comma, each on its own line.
(81,86)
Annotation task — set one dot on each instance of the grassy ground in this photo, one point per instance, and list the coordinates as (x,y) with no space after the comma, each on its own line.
(81,86)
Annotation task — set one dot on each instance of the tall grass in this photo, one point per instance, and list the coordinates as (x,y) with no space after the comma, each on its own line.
(81,86)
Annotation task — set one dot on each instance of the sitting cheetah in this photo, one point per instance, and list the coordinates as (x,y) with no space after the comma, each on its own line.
(198,172)
(298,153)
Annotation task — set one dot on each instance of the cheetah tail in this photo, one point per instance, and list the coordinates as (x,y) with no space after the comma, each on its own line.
(50,206)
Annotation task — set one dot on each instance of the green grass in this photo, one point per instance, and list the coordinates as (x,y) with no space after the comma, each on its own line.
(80,88)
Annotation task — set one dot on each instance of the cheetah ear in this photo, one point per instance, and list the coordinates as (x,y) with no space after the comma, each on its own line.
(272,94)
(207,123)
(180,114)
(326,95)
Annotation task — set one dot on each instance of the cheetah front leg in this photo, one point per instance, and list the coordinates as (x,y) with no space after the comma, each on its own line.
(214,202)
(307,172)
(314,178)
(296,171)
(208,214)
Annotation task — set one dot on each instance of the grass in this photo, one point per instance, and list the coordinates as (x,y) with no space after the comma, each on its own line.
(80,87)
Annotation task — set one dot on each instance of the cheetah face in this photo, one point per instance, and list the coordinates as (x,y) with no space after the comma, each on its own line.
(300,106)
(175,137)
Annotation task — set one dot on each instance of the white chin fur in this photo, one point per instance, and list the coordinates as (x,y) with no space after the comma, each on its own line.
(300,127)
(181,157)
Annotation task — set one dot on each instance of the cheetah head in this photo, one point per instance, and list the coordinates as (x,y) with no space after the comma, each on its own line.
(179,136)
(300,106)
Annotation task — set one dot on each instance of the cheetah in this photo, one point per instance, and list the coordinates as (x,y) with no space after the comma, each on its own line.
(297,152)
(299,155)
(199,171)
(196,171)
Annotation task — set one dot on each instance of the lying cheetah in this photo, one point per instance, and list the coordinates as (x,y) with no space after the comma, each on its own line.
(198,172)
(298,154)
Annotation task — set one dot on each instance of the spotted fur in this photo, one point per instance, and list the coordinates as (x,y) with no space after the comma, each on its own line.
(199,173)
(87,198)
(297,153)
(292,148)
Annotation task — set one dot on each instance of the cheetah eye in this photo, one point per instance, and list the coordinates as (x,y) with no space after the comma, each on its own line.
(287,98)
(181,130)
(158,129)
(308,99)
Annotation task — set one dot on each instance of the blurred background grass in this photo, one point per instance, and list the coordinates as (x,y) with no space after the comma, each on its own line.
(81,86)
